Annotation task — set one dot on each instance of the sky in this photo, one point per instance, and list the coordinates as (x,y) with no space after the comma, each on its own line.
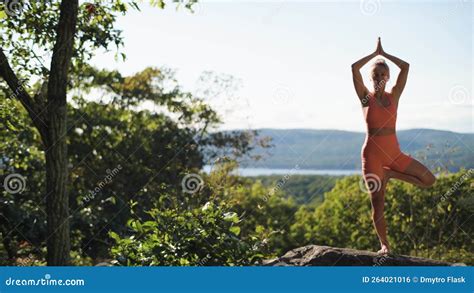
(292,60)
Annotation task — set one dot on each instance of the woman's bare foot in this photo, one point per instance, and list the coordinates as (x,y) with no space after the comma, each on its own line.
(385,249)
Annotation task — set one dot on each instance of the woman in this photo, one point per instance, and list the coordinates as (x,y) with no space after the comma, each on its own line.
(381,155)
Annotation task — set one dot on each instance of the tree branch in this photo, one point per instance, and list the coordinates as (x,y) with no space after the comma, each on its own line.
(16,85)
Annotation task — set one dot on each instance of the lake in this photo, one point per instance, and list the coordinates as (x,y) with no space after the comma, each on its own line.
(249,172)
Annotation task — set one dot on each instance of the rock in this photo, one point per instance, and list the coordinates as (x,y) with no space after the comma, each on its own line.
(315,255)
(103,264)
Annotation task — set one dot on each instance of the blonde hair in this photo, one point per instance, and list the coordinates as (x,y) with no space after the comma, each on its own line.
(380,62)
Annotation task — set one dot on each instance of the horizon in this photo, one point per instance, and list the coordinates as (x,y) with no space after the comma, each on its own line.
(343,130)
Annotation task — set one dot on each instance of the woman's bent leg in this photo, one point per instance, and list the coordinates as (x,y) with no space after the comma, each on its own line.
(404,177)
(407,169)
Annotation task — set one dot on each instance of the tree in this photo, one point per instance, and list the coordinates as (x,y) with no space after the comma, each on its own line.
(78,33)
(51,124)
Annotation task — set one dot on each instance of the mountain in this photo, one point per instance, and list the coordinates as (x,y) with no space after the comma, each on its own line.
(337,149)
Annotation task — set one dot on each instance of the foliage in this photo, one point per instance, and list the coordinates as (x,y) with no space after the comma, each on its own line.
(243,217)
(22,216)
(153,149)
(204,236)
(265,211)
(304,189)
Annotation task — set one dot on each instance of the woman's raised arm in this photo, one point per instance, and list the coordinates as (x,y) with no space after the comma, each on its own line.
(359,86)
(402,76)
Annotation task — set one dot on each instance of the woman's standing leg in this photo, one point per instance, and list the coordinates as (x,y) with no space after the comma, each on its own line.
(377,199)
(375,180)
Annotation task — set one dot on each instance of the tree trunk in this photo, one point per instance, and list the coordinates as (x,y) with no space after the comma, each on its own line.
(57,201)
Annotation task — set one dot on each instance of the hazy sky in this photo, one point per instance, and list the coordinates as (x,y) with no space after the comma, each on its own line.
(293,58)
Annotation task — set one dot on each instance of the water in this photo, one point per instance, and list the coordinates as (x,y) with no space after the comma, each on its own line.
(249,172)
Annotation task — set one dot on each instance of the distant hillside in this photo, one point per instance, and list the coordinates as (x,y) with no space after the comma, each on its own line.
(336,149)
(304,189)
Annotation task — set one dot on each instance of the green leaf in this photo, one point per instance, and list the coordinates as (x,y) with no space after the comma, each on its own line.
(114,236)
(111,199)
(235,230)
(11,126)
(207,206)
(259,229)
(231,217)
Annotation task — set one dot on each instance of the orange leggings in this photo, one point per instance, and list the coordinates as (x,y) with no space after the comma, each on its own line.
(380,151)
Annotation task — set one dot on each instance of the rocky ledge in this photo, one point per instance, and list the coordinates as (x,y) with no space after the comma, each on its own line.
(315,255)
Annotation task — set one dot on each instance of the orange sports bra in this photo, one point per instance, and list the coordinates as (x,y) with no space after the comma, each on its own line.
(378,116)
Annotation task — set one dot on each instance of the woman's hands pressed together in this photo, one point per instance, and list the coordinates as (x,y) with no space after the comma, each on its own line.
(379,50)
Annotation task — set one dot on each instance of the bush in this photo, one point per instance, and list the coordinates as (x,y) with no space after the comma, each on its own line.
(203,236)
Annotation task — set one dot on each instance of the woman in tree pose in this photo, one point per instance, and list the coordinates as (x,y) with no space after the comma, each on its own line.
(381,156)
